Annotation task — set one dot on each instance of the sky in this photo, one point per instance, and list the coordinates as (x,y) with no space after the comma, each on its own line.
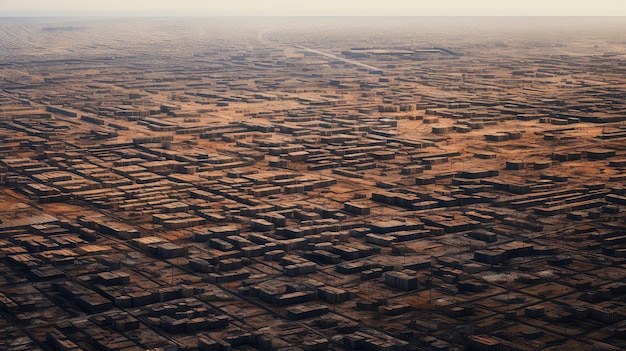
(9,8)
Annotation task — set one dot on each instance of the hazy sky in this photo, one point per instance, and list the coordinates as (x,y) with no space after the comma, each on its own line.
(311,7)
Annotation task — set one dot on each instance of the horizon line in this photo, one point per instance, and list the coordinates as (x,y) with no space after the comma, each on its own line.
(295,15)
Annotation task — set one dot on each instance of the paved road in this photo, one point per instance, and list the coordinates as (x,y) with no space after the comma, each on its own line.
(357,63)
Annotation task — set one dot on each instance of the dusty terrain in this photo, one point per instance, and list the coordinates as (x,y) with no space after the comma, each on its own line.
(396,184)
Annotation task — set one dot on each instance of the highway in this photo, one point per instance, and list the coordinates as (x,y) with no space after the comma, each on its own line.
(335,57)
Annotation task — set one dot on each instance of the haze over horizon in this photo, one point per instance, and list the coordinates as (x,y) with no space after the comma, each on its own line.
(147,8)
